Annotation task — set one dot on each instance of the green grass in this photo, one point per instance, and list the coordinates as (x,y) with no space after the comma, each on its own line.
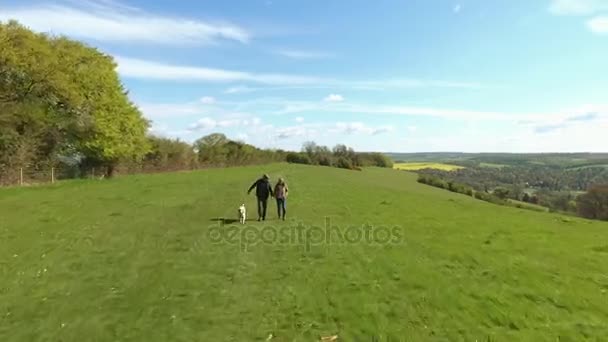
(131,259)
(492,165)
(420,166)
(526,205)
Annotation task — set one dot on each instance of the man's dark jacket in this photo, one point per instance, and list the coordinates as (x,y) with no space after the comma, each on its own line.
(262,188)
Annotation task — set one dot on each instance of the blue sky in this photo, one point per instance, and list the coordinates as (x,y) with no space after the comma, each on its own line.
(420,75)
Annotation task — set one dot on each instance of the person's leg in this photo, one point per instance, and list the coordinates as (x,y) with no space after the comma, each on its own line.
(264,206)
(279,207)
(284,204)
(260,201)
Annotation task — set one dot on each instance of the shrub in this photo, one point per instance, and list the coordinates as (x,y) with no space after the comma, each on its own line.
(325,161)
(594,203)
(297,158)
(344,163)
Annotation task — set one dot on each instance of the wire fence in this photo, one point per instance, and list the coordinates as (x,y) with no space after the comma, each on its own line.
(32,176)
(28,176)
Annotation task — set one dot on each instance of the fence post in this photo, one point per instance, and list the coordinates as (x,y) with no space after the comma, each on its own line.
(21,176)
(52,175)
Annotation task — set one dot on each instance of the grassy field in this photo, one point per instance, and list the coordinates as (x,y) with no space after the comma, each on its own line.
(420,166)
(526,205)
(139,258)
(492,165)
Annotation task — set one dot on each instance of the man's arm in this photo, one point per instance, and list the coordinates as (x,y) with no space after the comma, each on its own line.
(270,189)
(252,186)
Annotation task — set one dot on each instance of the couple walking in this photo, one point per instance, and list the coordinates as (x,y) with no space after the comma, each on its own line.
(263,190)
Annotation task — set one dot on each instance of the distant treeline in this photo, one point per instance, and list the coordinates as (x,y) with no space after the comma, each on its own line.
(593,204)
(340,156)
(213,150)
(216,150)
(460,188)
(561,160)
(519,178)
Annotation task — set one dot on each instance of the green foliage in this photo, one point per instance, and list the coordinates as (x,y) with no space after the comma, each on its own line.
(217,150)
(594,203)
(344,163)
(340,156)
(375,159)
(170,154)
(501,192)
(297,158)
(489,198)
(459,188)
(61,97)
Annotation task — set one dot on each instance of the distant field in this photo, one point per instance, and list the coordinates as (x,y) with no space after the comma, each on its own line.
(138,258)
(492,165)
(420,166)
(588,166)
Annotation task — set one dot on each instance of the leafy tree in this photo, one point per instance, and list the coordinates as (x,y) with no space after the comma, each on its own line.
(58,97)
(501,192)
(594,203)
(169,154)
(211,148)
(297,158)
(344,163)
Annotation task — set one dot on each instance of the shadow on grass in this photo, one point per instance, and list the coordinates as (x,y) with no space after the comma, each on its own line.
(224,220)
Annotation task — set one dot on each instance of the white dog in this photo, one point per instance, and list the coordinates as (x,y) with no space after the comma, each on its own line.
(242,214)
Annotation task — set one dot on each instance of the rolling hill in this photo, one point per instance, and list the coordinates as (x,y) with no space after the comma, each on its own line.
(147,257)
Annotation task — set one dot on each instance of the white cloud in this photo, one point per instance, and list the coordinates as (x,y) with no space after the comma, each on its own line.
(299,119)
(577,7)
(137,68)
(360,128)
(159,130)
(292,131)
(169,110)
(315,130)
(208,123)
(207,100)
(292,107)
(457,8)
(203,124)
(152,70)
(334,98)
(239,90)
(302,54)
(583,126)
(382,129)
(590,115)
(598,25)
(110,21)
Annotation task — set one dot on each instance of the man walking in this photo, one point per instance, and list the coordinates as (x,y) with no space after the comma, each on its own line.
(263,190)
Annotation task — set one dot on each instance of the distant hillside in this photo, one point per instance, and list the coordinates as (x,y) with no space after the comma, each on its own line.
(551,159)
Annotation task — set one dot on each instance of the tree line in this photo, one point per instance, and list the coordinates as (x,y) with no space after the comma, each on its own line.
(340,156)
(62,105)
(592,204)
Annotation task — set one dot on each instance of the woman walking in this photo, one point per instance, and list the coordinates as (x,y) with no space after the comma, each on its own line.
(280,193)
